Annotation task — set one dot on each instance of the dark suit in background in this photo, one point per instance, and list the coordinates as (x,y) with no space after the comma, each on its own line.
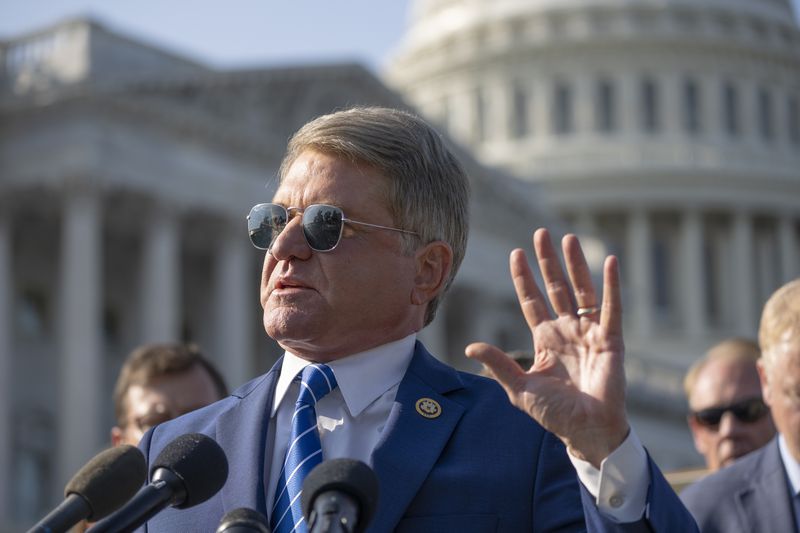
(751,495)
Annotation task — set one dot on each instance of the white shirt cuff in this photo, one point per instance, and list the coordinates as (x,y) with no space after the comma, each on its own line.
(620,486)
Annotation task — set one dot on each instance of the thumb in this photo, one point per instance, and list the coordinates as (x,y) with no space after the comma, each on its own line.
(505,369)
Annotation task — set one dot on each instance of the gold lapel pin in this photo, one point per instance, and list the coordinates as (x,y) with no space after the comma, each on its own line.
(428,407)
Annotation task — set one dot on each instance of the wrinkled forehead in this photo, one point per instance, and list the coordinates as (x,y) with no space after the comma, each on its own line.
(315,176)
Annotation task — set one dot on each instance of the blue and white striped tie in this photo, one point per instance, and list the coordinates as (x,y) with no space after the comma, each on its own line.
(303,452)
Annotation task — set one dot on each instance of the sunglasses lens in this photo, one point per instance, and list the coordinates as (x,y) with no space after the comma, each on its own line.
(709,417)
(750,410)
(322,225)
(264,223)
(747,411)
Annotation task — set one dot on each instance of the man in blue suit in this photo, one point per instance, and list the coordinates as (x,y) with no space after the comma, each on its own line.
(363,236)
(761,491)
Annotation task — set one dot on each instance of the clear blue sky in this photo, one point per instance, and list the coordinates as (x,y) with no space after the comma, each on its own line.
(237,33)
(234,33)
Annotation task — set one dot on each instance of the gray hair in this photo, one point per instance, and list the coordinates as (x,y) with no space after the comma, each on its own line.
(428,189)
(780,318)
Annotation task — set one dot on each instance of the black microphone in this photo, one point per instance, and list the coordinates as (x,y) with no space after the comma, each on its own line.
(188,471)
(243,520)
(339,495)
(107,481)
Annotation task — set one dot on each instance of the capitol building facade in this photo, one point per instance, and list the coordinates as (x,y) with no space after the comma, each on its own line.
(669,129)
(126,173)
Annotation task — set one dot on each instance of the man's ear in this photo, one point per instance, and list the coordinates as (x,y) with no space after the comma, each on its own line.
(117,436)
(434,261)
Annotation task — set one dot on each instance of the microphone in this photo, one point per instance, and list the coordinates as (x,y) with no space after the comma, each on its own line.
(188,471)
(243,520)
(339,495)
(107,481)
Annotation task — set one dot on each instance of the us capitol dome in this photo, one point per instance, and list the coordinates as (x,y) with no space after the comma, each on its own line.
(670,129)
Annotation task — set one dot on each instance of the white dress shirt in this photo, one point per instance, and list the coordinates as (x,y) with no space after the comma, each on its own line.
(351,420)
(352,417)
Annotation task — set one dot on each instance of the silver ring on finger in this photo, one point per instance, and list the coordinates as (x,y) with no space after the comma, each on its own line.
(588,311)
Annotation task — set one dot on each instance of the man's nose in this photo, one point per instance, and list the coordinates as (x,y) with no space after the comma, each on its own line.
(291,242)
(729,424)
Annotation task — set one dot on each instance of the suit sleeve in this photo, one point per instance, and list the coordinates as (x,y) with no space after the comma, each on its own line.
(557,491)
(664,512)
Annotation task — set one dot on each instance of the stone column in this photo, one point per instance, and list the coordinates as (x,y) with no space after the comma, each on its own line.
(585,224)
(787,236)
(6,368)
(583,103)
(745,319)
(462,113)
(540,106)
(629,104)
(236,294)
(670,102)
(690,283)
(81,369)
(498,109)
(640,265)
(160,283)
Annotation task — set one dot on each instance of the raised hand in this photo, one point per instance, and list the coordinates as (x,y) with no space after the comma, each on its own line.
(576,386)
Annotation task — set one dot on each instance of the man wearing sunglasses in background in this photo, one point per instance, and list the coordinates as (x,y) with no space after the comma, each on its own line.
(363,236)
(728,417)
(761,491)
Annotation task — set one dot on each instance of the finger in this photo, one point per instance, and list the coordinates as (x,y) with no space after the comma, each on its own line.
(579,274)
(531,300)
(611,313)
(505,370)
(554,280)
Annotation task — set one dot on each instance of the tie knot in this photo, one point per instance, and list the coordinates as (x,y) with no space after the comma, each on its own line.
(316,380)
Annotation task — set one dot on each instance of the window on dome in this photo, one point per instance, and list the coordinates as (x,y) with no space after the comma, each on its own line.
(765,124)
(691,107)
(519,118)
(730,109)
(562,119)
(650,116)
(794,119)
(605,107)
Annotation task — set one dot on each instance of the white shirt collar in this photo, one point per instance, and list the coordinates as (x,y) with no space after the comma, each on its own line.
(362,377)
(790,464)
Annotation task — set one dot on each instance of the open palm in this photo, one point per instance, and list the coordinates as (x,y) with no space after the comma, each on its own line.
(576,386)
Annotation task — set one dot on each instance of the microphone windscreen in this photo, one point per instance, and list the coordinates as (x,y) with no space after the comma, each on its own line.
(243,518)
(109,480)
(199,462)
(350,476)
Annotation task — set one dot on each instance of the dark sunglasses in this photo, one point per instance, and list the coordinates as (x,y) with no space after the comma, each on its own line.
(322,225)
(747,411)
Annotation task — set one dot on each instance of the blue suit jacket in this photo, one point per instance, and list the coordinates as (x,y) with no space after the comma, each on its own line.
(751,494)
(482,465)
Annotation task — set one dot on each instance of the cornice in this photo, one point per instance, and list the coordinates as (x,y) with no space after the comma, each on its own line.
(162,101)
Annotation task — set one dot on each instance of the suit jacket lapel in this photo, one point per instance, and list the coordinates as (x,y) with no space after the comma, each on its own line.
(242,433)
(411,442)
(765,504)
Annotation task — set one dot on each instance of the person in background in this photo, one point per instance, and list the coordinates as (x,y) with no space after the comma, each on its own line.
(761,491)
(728,417)
(159,382)
(364,234)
